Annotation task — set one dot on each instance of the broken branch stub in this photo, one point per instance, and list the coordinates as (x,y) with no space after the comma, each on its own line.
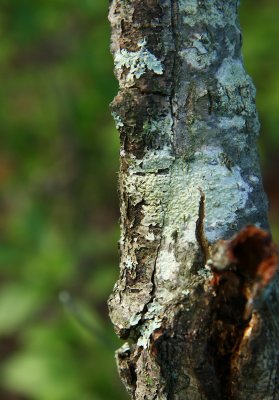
(232,335)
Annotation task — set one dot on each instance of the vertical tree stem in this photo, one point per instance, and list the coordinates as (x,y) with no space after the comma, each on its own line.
(189,176)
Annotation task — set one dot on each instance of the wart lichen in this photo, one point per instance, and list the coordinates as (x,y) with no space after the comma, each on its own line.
(236,88)
(236,122)
(212,13)
(226,192)
(232,74)
(199,53)
(154,161)
(172,203)
(138,62)
(169,267)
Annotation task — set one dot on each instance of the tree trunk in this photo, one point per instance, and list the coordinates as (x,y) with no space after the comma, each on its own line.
(189,176)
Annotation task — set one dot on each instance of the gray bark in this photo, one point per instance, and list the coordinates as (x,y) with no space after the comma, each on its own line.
(189,176)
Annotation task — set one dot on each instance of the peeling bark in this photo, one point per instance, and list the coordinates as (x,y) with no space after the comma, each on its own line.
(189,176)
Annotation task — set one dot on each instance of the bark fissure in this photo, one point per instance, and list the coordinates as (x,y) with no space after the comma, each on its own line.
(174,17)
(200,234)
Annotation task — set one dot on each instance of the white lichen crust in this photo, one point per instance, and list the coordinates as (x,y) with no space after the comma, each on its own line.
(137,62)
(189,176)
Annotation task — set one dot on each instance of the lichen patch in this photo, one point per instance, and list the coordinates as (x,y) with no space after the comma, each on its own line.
(118,121)
(195,12)
(199,52)
(138,62)
(146,331)
(232,73)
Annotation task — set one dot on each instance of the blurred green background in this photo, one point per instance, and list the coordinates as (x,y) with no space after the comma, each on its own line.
(58,195)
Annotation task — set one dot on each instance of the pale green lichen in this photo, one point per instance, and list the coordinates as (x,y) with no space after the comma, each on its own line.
(153,320)
(134,320)
(172,203)
(117,120)
(196,59)
(232,74)
(230,45)
(225,191)
(190,7)
(138,62)
(150,236)
(199,53)
(153,309)
(125,348)
(169,267)
(213,14)
(236,122)
(159,126)
(206,272)
(146,330)
(130,263)
(236,89)
(254,179)
(153,161)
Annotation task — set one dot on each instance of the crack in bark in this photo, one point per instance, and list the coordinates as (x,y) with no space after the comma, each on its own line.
(152,294)
(200,229)
(174,18)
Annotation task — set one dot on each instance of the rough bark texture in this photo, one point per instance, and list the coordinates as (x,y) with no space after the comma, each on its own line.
(189,176)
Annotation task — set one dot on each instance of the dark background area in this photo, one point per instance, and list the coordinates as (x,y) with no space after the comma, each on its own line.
(58,190)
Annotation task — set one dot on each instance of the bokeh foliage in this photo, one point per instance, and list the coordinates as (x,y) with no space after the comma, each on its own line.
(58,196)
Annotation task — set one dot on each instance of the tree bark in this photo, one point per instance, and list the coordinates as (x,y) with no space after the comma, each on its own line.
(189,176)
